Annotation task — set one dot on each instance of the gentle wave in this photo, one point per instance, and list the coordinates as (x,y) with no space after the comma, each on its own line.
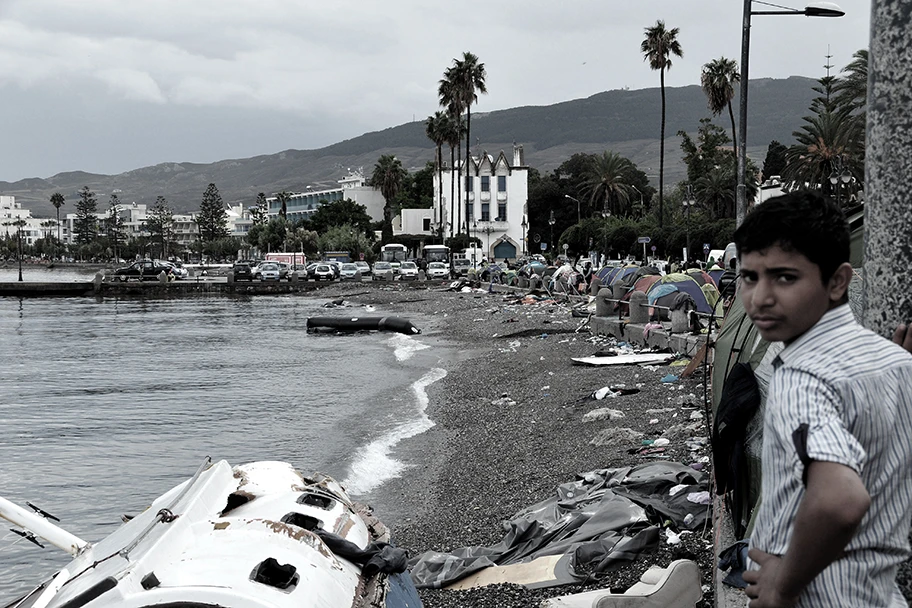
(405,347)
(374,466)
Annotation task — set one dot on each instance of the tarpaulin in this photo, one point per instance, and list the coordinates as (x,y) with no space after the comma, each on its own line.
(604,518)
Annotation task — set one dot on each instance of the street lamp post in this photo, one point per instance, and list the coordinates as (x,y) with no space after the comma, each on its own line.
(688,203)
(840,174)
(578,219)
(19,246)
(475,237)
(641,197)
(813,9)
(524,225)
(551,223)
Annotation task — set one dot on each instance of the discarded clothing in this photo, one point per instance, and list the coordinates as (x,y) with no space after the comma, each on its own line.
(376,557)
(734,559)
(601,520)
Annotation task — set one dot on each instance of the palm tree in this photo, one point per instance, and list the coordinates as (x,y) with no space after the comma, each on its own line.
(718,82)
(453,130)
(716,192)
(448,94)
(283,197)
(471,77)
(57,200)
(657,48)
(606,183)
(824,141)
(435,128)
(852,89)
(387,177)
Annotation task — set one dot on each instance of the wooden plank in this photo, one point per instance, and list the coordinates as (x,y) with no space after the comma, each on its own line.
(696,362)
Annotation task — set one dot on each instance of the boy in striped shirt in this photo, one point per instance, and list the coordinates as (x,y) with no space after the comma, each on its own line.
(833,523)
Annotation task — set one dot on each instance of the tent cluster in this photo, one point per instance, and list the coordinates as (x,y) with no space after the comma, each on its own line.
(664,292)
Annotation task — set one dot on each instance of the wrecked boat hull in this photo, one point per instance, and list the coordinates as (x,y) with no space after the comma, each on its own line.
(252,536)
(350,324)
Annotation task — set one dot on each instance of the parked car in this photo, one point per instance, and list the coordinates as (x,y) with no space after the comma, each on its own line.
(267,272)
(242,271)
(364,268)
(282,267)
(310,268)
(438,270)
(324,272)
(143,270)
(348,272)
(383,271)
(461,266)
(336,267)
(408,271)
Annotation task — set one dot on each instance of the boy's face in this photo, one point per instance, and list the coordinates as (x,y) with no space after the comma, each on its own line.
(783,293)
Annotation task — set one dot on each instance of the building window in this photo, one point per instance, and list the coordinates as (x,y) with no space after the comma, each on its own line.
(427,224)
(470,212)
(485,183)
(485,212)
(501,183)
(502,211)
(469,183)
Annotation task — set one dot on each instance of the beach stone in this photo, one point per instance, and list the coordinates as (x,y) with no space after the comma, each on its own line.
(613,436)
(603,413)
(595,286)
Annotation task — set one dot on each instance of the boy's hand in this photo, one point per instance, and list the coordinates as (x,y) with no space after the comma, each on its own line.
(903,336)
(762,585)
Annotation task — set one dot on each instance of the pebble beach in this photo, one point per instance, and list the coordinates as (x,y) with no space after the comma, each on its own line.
(510,425)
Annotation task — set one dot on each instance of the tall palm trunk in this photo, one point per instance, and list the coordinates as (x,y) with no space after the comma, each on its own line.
(58,225)
(731,115)
(458,224)
(468,158)
(452,186)
(662,149)
(440,192)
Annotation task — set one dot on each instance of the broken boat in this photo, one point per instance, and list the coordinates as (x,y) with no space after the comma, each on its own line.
(259,535)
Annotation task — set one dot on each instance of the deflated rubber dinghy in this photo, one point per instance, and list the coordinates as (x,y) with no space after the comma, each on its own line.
(397,324)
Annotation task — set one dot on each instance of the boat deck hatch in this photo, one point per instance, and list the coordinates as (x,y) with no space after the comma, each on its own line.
(302,521)
(315,500)
(272,573)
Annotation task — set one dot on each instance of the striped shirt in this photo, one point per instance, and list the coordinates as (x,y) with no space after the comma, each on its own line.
(846,394)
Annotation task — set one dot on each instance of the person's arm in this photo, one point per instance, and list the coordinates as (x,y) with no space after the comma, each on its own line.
(833,506)
(903,336)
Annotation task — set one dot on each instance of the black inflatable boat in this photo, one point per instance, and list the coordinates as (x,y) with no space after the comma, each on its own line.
(398,324)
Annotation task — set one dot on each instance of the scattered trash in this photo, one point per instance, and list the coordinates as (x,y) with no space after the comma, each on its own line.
(670,378)
(603,414)
(696,466)
(677,489)
(602,392)
(660,442)
(680,363)
(696,415)
(654,421)
(504,400)
(700,498)
(688,518)
(544,388)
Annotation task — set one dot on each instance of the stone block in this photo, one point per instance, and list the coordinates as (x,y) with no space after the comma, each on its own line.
(639,309)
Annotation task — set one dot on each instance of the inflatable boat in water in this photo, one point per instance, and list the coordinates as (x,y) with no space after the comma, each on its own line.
(259,535)
(403,326)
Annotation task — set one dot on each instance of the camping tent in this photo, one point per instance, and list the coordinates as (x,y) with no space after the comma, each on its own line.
(666,290)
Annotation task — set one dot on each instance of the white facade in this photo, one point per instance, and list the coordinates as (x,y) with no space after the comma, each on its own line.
(494,194)
(32,228)
(302,205)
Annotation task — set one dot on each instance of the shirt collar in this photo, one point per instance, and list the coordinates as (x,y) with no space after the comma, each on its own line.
(831,319)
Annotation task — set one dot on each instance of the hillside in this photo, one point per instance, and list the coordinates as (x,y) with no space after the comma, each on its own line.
(624,121)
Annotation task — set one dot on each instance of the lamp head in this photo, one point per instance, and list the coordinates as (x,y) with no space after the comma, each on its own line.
(823,9)
(834,177)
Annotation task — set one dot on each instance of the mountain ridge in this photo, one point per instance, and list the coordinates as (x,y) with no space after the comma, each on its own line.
(625,121)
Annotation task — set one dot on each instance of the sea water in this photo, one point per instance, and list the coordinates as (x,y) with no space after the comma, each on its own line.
(107,403)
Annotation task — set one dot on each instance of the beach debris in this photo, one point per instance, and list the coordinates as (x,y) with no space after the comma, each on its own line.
(661,442)
(699,498)
(669,378)
(674,538)
(615,435)
(603,414)
(503,400)
(626,359)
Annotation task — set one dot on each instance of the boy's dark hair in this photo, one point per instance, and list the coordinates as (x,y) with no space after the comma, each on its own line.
(802,221)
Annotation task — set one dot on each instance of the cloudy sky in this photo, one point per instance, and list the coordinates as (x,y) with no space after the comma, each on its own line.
(106,86)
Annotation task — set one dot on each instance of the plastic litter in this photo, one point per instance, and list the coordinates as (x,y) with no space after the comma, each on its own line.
(660,442)
(670,378)
(603,414)
(699,498)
